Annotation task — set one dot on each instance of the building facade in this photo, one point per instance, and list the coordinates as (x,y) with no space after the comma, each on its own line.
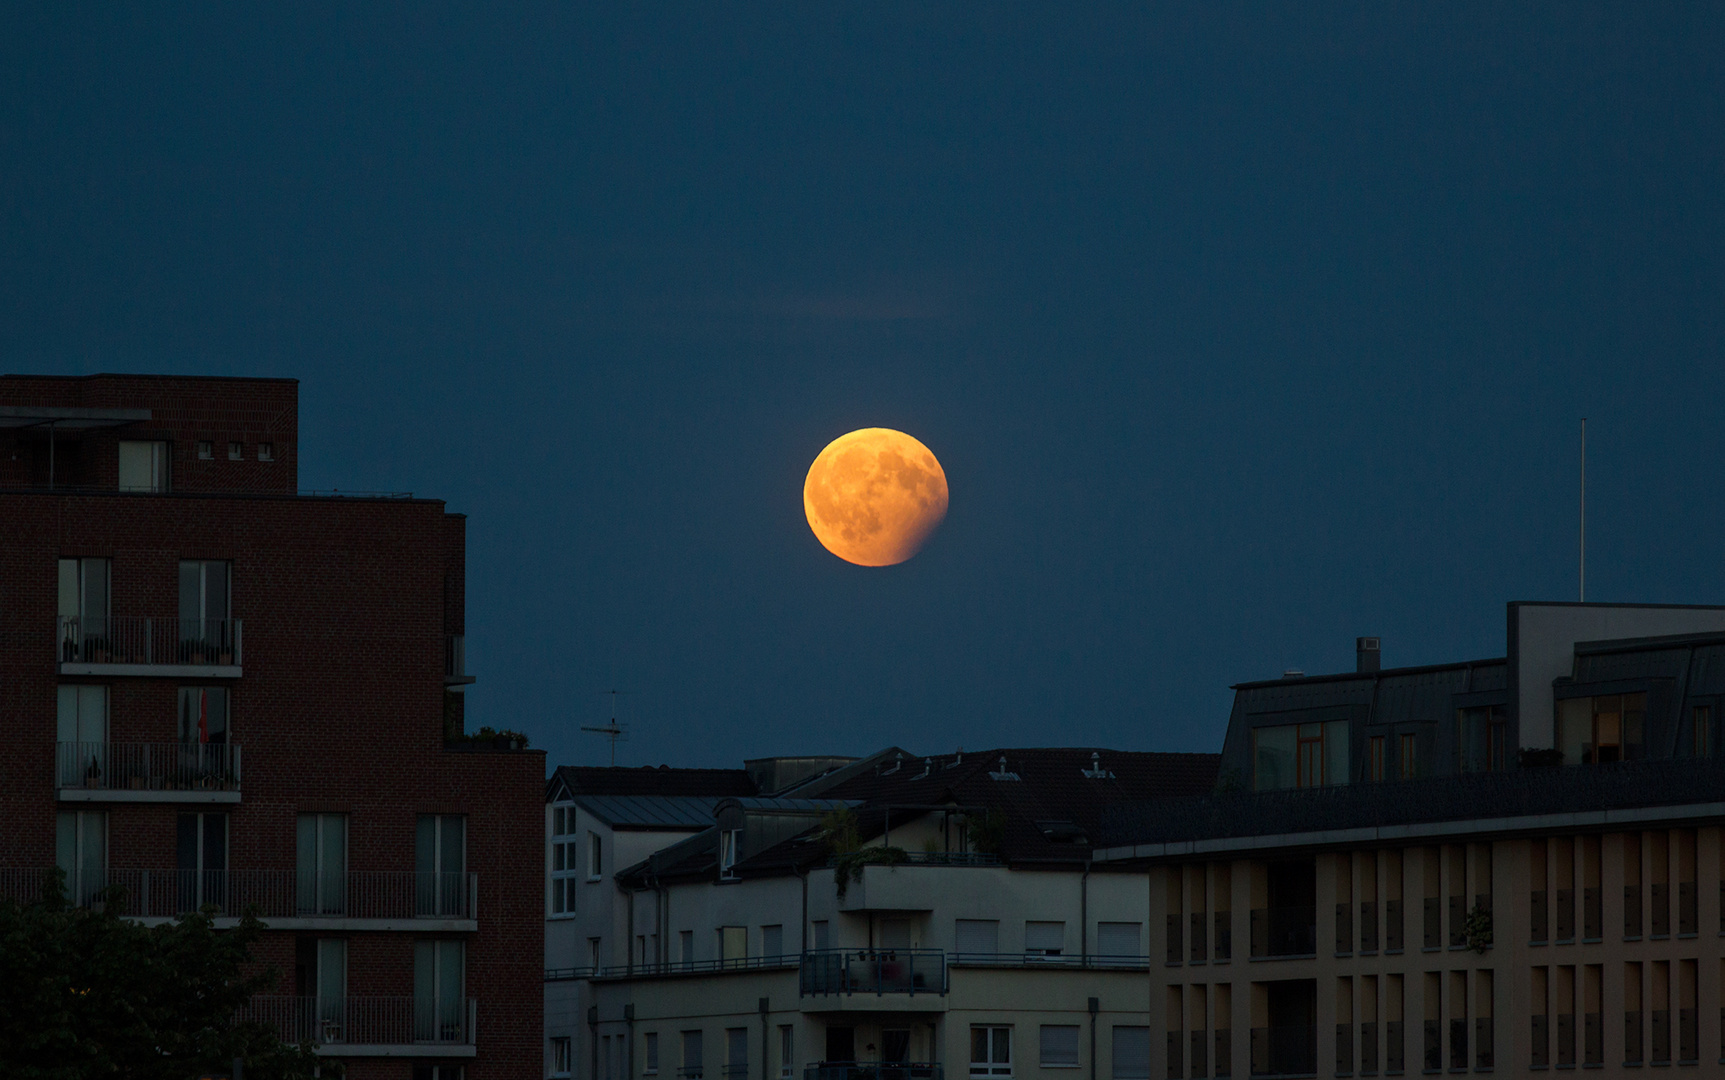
(223,691)
(1510,865)
(896,917)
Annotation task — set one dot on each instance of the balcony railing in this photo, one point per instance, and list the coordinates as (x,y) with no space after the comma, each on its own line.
(369,1021)
(272,894)
(122,767)
(1038,960)
(873,971)
(874,1070)
(140,640)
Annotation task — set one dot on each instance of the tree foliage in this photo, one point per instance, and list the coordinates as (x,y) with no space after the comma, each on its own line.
(87,994)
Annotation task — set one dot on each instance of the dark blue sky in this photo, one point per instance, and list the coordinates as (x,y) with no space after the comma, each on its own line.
(1240,330)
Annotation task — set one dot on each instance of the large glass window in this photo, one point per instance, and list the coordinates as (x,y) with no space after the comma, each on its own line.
(201,860)
(320,864)
(440,859)
(565,860)
(439,1006)
(143,466)
(82,732)
(1300,755)
(1482,738)
(1601,730)
(990,1050)
(206,634)
(320,978)
(81,850)
(203,714)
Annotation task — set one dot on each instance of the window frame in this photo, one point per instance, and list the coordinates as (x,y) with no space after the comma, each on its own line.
(565,848)
(1042,1047)
(160,466)
(595,856)
(989,1066)
(562,1055)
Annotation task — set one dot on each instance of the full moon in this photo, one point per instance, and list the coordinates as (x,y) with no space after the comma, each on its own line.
(874,497)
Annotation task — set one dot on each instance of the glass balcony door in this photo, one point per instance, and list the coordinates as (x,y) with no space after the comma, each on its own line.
(82,730)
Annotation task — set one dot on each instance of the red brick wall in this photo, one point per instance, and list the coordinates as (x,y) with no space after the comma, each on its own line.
(346,604)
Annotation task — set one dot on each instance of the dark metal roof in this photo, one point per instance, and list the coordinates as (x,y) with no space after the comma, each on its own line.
(571,780)
(1518,793)
(1366,676)
(646,812)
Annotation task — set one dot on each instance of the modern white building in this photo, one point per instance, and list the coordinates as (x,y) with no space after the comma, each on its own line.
(893,918)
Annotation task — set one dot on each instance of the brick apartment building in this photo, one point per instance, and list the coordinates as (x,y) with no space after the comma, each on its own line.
(220,690)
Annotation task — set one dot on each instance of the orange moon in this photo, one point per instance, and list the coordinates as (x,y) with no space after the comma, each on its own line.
(874,497)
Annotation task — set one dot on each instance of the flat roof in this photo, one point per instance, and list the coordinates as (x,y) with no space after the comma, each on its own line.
(67,418)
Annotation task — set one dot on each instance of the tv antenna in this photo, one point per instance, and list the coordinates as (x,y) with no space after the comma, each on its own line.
(616,731)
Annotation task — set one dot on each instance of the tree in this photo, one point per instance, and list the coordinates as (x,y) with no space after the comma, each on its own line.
(88,994)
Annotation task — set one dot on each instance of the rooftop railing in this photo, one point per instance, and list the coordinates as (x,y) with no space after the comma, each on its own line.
(142,640)
(873,971)
(120,767)
(271,894)
(370,1021)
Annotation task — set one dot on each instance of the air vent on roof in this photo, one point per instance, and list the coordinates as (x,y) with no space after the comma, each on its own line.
(1004,773)
(1096,771)
(1293,673)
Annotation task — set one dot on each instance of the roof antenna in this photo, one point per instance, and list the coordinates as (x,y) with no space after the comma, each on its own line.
(1584,510)
(616,731)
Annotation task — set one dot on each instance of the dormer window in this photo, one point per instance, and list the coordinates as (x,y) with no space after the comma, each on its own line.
(1601,730)
(1300,756)
(730,840)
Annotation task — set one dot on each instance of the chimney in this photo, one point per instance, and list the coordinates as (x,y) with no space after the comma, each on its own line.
(1366,654)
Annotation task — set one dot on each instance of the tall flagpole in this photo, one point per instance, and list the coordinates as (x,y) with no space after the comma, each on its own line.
(1584,509)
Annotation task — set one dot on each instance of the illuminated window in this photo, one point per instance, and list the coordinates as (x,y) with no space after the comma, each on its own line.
(1407,758)
(1601,730)
(1375,759)
(1703,722)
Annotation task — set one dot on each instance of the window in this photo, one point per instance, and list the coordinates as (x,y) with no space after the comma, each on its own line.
(82,731)
(563,1056)
(976,935)
(650,1053)
(266,451)
(593,953)
(729,841)
(737,1053)
(823,935)
(1120,939)
(595,852)
(439,1002)
(84,631)
(1482,739)
(320,973)
(1407,759)
(1059,1046)
(1375,759)
(1300,756)
(201,860)
(1601,730)
(440,1072)
(733,942)
(990,1051)
(564,860)
(1131,1053)
(236,451)
(206,450)
(81,850)
(143,466)
(320,864)
(787,1051)
(1701,724)
(686,946)
(204,714)
(440,861)
(773,940)
(691,1068)
(206,635)
(1044,938)
(605,1057)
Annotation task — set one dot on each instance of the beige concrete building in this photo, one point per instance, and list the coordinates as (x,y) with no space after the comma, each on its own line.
(1509,865)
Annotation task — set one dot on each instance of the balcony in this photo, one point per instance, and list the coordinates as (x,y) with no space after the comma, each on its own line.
(285,899)
(176,772)
(369,1026)
(1284,931)
(137,645)
(876,972)
(874,1070)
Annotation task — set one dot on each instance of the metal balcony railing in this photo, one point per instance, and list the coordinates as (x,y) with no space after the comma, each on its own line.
(1039,960)
(370,1021)
(873,971)
(874,1070)
(272,894)
(133,639)
(174,766)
